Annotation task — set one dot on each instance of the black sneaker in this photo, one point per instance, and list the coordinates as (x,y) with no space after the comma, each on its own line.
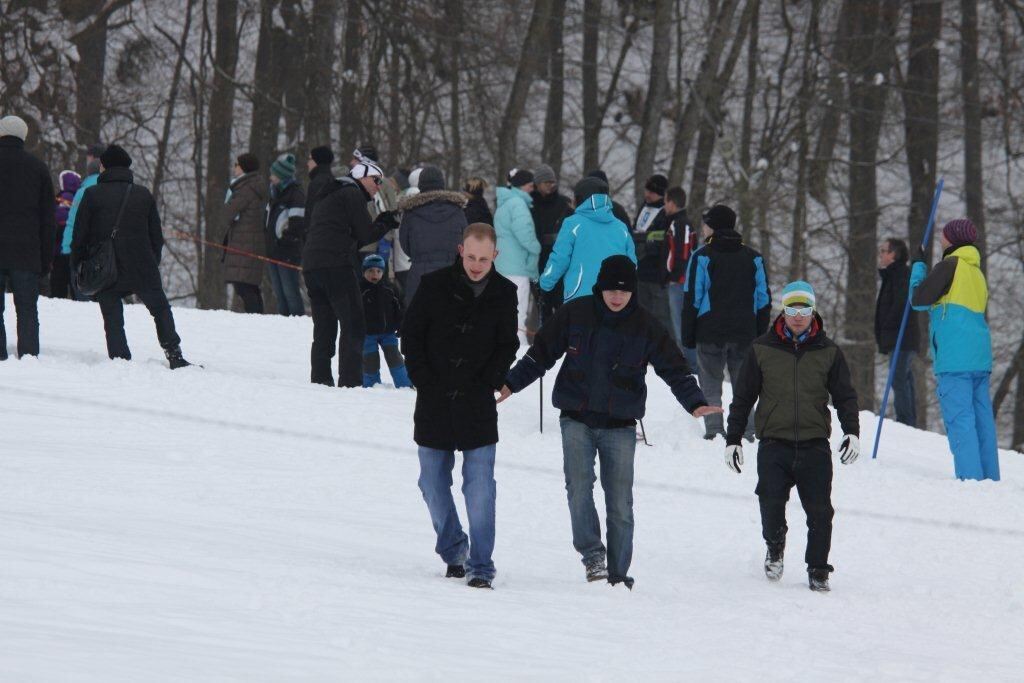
(477,582)
(175,359)
(455,571)
(773,562)
(616,580)
(597,571)
(817,579)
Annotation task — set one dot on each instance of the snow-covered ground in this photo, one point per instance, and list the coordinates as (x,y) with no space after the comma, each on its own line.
(236,523)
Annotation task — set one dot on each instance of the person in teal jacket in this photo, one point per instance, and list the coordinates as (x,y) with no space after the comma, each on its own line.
(518,248)
(955,295)
(589,236)
(93,170)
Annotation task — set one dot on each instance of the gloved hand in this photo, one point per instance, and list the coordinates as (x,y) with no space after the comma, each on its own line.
(387,218)
(734,458)
(849,449)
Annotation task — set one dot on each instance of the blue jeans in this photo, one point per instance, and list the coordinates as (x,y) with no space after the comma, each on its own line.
(903,399)
(479,489)
(371,360)
(285,282)
(675,309)
(970,425)
(615,448)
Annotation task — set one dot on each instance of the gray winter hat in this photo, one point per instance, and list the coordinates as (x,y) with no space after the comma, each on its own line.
(14,126)
(431,179)
(544,174)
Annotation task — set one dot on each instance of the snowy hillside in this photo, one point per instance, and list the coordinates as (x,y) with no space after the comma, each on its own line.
(236,523)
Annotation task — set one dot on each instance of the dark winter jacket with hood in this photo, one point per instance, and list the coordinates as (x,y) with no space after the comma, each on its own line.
(791,380)
(27,227)
(340,225)
(892,299)
(244,217)
(458,348)
(381,308)
(139,241)
(726,296)
(680,243)
(319,178)
(651,267)
(477,210)
(286,221)
(431,232)
(602,381)
(548,213)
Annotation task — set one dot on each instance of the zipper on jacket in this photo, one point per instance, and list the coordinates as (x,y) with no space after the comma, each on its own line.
(796,395)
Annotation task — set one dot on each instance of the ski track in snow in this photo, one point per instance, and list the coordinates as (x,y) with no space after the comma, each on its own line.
(237,523)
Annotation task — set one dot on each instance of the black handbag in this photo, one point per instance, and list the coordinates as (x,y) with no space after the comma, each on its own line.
(97,272)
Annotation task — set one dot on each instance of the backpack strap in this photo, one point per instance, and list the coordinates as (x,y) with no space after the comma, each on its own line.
(120,212)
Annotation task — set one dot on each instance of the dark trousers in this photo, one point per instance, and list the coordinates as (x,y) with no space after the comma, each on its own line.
(335,300)
(712,362)
(903,398)
(112,308)
(60,277)
(808,466)
(252,298)
(25,287)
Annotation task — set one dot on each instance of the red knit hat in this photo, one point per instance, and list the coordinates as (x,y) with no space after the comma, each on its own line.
(960,231)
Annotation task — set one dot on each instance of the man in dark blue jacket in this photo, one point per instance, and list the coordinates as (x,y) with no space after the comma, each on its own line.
(726,305)
(607,340)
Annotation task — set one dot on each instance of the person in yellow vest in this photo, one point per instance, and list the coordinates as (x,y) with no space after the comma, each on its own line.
(955,295)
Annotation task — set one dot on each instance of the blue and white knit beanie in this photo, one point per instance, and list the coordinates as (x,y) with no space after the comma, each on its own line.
(373,261)
(798,293)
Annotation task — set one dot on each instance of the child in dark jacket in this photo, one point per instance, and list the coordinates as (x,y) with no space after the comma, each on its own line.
(383,314)
(60,275)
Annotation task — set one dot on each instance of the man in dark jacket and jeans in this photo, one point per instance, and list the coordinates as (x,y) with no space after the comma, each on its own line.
(607,340)
(791,372)
(339,226)
(726,304)
(892,301)
(459,339)
(27,232)
(286,230)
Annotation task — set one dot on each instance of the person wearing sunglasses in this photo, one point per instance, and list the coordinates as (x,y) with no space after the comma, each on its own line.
(339,226)
(791,372)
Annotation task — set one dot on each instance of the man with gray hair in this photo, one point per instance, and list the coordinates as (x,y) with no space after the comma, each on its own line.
(27,227)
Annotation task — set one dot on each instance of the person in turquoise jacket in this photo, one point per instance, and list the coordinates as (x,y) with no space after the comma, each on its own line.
(955,295)
(589,236)
(93,170)
(518,247)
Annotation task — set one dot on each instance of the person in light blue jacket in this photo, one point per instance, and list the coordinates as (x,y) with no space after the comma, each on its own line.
(93,175)
(589,236)
(518,247)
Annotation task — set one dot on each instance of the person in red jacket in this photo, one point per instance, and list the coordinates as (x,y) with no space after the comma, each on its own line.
(680,242)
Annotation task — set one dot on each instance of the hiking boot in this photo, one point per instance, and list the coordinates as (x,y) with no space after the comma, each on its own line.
(175,359)
(773,562)
(817,579)
(597,571)
(477,582)
(616,580)
(455,571)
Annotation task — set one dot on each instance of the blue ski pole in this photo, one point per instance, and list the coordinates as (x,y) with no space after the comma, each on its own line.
(903,324)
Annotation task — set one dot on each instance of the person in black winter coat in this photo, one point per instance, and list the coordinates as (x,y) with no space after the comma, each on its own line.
(320,176)
(459,339)
(27,232)
(339,226)
(607,340)
(383,314)
(680,242)
(286,230)
(138,245)
(477,210)
(726,304)
(432,225)
(892,300)
(550,207)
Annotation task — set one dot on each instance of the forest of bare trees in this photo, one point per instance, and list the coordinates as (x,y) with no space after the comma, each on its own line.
(825,122)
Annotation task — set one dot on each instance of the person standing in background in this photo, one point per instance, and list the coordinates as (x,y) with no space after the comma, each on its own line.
(244,213)
(68,183)
(892,301)
(518,248)
(286,230)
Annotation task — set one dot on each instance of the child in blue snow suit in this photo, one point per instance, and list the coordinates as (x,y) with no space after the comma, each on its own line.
(383,314)
(955,295)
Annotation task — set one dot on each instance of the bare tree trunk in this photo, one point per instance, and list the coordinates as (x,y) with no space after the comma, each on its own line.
(657,91)
(172,99)
(796,260)
(348,106)
(529,62)
(870,54)
(554,120)
(591,117)
(455,19)
(91,45)
(296,97)
(319,67)
(746,206)
(835,101)
(973,180)
(212,293)
(267,87)
(921,123)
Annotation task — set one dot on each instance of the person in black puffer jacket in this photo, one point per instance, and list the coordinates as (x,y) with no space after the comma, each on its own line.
(320,176)
(286,229)
(892,301)
(383,312)
(137,245)
(607,340)
(432,225)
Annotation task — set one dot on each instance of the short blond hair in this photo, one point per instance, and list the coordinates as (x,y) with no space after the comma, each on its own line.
(481,231)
